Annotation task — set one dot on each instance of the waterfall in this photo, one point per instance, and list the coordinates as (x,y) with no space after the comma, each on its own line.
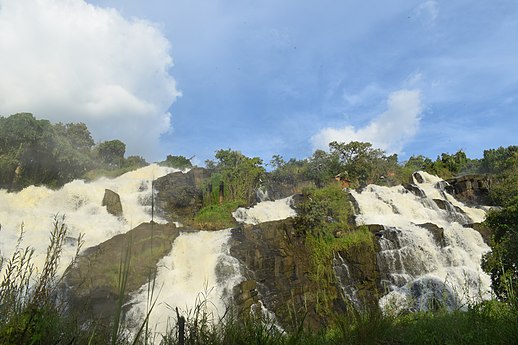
(429,256)
(80,203)
(266,211)
(198,272)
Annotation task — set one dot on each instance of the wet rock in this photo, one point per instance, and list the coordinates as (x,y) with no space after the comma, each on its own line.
(179,196)
(471,189)
(436,231)
(279,262)
(483,229)
(417,177)
(414,189)
(112,201)
(92,283)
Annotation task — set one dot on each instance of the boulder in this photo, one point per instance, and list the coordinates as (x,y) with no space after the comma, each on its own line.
(414,189)
(92,283)
(179,196)
(112,201)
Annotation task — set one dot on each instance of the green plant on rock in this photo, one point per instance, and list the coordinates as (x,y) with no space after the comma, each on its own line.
(215,216)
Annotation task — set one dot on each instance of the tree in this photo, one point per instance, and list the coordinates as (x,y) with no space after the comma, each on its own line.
(502,262)
(178,162)
(497,160)
(323,167)
(241,174)
(77,134)
(363,163)
(112,152)
(135,162)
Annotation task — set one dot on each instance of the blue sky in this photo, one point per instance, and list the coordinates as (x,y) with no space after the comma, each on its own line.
(268,77)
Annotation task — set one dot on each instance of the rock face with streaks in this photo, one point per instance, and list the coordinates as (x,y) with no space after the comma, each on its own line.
(278,270)
(471,189)
(94,278)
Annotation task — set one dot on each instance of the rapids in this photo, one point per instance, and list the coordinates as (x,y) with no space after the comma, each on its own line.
(266,211)
(80,203)
(429,256)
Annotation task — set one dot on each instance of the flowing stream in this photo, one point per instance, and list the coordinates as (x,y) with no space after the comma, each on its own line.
(429,256)
(79,202)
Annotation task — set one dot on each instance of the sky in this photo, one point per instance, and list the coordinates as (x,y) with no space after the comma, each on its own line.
(190,77)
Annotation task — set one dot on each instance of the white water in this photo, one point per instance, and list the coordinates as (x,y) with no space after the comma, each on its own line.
(80,203)
(266,211)
(198,271)
(415,266)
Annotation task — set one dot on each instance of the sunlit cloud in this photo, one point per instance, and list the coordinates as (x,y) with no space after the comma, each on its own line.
(390,131)
(69,61)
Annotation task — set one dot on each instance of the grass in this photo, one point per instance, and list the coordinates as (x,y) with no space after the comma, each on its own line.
(214,217)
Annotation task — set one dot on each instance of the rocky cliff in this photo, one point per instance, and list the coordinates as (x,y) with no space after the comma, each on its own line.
(279,270)
(471,189)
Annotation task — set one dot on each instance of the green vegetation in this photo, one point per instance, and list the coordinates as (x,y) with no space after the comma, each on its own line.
(325,221)
(34,152)
(178,162)
(217,216)
(240,174)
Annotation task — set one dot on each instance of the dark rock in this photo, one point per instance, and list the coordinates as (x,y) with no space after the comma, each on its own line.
(417,177)
(437,232)
(274,189)
(375,228)
(92,283)
(414,189)
(246,295)
(471,189)
(442,204)
(483,229)
(279,262)
(112,201)
(179,196)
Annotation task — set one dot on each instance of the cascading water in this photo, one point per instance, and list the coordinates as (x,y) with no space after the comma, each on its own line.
(266,211)
(198,273)
(428,255)
(80,203)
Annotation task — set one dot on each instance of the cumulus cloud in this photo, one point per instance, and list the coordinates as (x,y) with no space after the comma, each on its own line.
(389,131)
(69,61)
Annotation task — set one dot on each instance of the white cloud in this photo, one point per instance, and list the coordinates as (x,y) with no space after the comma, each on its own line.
(428,11)
(69,61)
(389,131)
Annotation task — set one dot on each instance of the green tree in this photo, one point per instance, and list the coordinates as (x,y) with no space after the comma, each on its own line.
(502,262)
(178,162)
(323,167)
(135,162)
(77,134)
(497,160)
(241,174)
(288,172)
(363,163)
(112,152)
